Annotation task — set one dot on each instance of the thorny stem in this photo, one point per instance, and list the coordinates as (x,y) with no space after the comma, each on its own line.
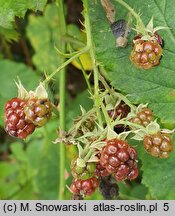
(62,91)
(70,39)
(105,113)
(93,57)
(140,25)
(85,75)
(48,78)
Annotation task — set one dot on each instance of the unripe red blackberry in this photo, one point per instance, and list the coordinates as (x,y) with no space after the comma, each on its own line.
(16,123)
(121,110)
(146,53)
(84,187)
(158,145)
(144,117)
(120,159)
(38,111)
(100,171)
(82,172)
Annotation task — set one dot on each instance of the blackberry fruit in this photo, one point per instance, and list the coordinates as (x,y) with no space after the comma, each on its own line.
(38,111)
(100,171)
(158,145)
(119,159)
(146,54)
(16,123)
(108,188)
(84,187)
(144,117)
(121,110)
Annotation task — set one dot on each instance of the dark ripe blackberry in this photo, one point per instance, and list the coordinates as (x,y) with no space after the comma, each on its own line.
(144,117)
(158,145)
(159,39)
(38,111)
(77,197)
(84,187)
(16,124)
(82,173)
(108,188)
(121,110)
(119,159)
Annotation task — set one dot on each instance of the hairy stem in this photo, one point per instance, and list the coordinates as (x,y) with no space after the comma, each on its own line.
(62,90)
(85,75)
(48,78)
(140,25)
(93,57)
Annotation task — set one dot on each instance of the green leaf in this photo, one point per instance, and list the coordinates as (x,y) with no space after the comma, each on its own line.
(10,9)
(9,73)
(155,86)
(18,152)
(45,162)
(43,33)
(132,191)
(8,184)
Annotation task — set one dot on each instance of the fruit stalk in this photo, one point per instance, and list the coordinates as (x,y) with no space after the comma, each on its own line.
(140,26)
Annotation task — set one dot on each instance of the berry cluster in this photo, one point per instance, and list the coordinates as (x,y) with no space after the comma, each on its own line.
(146,54)
(158,145)
(121,110)
(38,111)
(85,187)
(119,159)
(16,123)
(23,115)
(143,117)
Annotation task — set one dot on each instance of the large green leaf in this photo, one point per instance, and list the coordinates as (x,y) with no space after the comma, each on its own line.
(10,71)
(156,85)
(10,8)
(43,32)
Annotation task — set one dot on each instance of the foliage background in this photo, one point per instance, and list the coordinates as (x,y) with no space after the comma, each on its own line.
(29,33)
